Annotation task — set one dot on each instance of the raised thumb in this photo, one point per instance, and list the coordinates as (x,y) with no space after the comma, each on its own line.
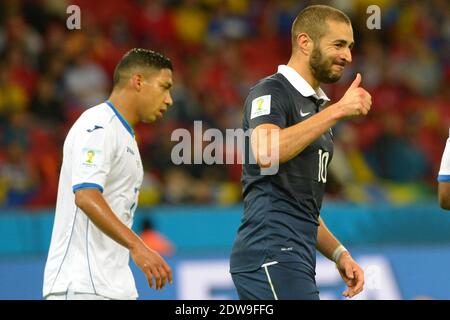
(356,82)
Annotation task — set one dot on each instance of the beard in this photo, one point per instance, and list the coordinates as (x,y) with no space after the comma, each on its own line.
(320,67)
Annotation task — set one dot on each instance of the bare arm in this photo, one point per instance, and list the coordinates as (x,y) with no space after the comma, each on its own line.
(98,211)
(349,270)
(444,195)
(94,205)
(293,140)
(326,241)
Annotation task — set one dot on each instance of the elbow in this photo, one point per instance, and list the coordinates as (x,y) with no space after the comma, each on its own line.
(265,161)
(263,164)
(84,197)
(80,199)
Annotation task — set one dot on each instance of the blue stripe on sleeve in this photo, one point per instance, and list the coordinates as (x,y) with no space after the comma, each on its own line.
(444,178)
(87,185)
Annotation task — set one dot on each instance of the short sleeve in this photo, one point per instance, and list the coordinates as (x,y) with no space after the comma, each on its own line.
(444,172)
(265,105)
(91,158)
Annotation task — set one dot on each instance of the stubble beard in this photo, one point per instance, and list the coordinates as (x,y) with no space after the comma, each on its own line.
(321,67)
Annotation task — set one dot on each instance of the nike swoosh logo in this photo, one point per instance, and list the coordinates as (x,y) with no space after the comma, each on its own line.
(304,114)
(95,128)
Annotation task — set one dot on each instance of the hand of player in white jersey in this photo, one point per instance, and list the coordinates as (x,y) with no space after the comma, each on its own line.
(153,266)
(351,273)
(356,101)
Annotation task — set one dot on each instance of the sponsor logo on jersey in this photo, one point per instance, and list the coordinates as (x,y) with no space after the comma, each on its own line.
(95,128)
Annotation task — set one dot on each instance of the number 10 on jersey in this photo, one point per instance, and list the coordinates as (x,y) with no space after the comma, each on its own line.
(323,164)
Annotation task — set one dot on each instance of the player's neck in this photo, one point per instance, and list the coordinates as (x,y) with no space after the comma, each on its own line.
(125,107)
(305,72)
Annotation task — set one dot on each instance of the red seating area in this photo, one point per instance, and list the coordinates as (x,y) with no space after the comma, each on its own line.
(219,49)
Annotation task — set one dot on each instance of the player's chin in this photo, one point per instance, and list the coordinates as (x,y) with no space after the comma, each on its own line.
(150,119)
(332,77)
(335,73)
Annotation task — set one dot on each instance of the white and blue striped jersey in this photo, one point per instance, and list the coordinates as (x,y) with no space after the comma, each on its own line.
(100,151)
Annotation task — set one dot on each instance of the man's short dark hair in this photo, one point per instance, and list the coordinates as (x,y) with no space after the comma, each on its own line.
(312,21)
(139,58)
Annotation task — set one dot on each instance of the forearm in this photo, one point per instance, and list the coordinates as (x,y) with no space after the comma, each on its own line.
(98,211)
(295,139)
(285,144)
(326,241)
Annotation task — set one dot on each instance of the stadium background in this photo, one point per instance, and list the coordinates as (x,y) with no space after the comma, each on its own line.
(381,195)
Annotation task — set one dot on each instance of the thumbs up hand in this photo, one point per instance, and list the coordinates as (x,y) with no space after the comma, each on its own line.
(356,101)
(355,83)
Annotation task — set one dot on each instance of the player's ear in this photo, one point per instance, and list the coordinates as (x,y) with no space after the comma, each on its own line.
(137,81)
(304,43)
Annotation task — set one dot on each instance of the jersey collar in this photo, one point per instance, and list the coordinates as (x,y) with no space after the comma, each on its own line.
(122,119)
(299,83)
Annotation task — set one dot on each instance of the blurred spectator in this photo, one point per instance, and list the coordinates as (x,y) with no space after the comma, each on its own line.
(159,19)
(190,22)
(155,239)
(45,104)
(20,72)
(18,177)
(150,193)
(393,156)
(87,83)
(350,170)
(178,186)
(13,98)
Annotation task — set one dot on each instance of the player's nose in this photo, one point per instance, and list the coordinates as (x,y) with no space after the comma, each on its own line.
(347,56)
(168,100)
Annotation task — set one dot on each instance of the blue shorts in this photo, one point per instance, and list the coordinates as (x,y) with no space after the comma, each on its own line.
(276,281)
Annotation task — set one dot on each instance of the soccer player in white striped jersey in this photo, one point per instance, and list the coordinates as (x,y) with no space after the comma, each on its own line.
(444,177)
(98,190)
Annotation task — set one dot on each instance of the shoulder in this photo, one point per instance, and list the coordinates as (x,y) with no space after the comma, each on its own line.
(271,89)
(95,125)
(95,118)
(270,85)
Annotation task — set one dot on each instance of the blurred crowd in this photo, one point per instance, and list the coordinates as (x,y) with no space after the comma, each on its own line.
(49,75)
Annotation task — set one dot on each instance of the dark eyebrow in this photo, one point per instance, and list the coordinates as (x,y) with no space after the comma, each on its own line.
(166,85)
(344,42)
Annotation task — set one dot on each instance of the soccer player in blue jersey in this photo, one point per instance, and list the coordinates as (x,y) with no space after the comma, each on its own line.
(274,254)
